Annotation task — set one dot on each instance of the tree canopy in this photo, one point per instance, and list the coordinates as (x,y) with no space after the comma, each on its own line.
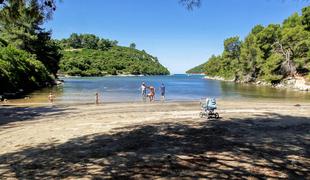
(30,46)
(269,53)
(133,45)
(87,41)
(20,70)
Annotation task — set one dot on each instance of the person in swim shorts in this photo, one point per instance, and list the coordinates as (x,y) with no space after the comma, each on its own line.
(151,95)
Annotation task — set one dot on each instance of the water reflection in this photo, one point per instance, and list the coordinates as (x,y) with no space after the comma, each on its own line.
(230,89)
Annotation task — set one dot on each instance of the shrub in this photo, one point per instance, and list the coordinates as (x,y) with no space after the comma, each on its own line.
(21,70)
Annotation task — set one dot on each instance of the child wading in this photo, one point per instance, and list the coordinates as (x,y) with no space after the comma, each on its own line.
(51,97)
(97,98)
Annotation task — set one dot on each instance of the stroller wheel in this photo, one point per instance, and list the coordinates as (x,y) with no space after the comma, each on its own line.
(217,115)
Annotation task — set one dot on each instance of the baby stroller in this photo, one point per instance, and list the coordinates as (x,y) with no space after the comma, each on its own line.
(208,109)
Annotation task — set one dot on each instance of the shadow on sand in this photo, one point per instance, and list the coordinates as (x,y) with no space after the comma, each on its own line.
(269,146)
(11,114)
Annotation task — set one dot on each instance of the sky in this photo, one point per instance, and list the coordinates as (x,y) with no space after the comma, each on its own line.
(181,39)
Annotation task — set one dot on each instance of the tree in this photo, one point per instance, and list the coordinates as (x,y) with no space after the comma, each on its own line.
(287,67)
(232,47)
(306,17)
(267,37)
(47,7)
(292,21)
(89,41)
(21,27)
(269,53)
(132,45)
(190,4)
(47,51)
(271,69)
(104,45)
(295,41)
(74,41)
(257,29)
(251,58)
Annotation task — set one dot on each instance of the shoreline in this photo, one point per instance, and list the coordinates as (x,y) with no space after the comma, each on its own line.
(21,93)
(218,78)
(157,102)
(295,84)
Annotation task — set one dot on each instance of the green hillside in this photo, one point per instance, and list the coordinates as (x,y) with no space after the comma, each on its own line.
(89,55)
(198,69)
(117,60)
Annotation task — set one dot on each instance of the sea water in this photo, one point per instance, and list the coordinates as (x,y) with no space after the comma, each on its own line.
(180,87)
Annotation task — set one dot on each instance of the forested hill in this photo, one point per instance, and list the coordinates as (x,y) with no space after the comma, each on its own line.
(198,69)
(269,54)
(89,55)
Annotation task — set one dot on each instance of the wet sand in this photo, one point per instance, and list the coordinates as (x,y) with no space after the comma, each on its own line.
(251,140)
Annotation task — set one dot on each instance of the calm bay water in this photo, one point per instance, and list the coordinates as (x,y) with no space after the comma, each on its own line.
(178,88)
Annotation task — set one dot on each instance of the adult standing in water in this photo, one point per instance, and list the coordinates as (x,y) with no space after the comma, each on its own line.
(162,92)
(143,91)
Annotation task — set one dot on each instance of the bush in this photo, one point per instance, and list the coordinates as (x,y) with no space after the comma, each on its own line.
(21,70)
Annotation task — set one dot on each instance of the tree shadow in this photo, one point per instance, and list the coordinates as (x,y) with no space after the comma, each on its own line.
(268,146)
(9,115)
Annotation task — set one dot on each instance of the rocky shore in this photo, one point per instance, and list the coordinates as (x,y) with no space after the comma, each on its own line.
(296,83)
(218,78)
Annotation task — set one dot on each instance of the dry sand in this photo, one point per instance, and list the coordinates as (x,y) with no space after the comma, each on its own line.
(252,140)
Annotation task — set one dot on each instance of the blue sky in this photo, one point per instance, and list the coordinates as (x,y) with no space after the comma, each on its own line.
(181,39)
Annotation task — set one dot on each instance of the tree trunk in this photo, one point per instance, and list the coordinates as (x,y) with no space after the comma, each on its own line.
(287,67)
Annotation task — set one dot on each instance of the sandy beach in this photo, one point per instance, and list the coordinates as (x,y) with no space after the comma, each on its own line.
(251,140)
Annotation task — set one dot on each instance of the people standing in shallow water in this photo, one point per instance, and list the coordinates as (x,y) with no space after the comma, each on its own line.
(151,95)
(143,91)
(162,89)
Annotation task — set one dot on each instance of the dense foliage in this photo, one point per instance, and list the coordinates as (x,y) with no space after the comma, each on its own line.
(87,41)
(89,55)
(20,70)
(20,28)
(116,60)
(269,53)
